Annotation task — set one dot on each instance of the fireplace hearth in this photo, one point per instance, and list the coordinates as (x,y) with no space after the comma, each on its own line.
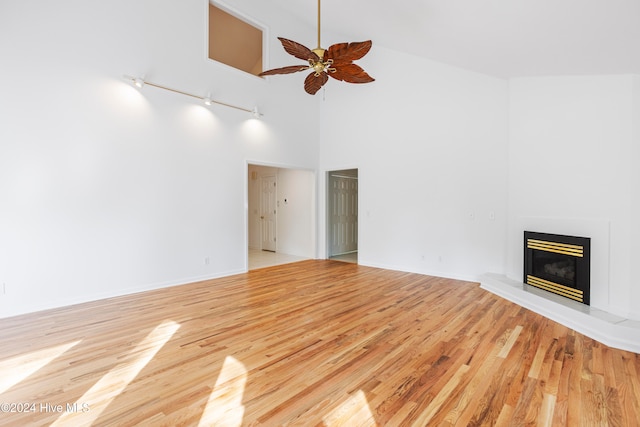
(558,264)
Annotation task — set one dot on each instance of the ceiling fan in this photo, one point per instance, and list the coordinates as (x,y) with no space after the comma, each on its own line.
(336,62)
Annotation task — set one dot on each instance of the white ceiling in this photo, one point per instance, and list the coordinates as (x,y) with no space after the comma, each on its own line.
(504,38)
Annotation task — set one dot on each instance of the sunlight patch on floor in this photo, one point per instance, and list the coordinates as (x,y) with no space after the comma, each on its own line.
(98,397)
(224,407)
(354,411)
(17,368)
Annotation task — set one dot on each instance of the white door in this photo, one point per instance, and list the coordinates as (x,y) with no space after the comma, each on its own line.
(268,213)
(343,205)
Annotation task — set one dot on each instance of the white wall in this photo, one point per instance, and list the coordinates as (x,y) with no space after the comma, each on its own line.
(296,212)
(590,121)
(430,145)
(106,190)
(634,302)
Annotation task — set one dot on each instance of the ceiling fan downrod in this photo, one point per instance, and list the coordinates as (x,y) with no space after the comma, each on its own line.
(319,50)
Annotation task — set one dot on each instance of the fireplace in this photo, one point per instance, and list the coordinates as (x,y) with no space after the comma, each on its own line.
(558,264)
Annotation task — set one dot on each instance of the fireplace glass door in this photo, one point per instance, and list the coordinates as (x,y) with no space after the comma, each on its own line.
(558,264)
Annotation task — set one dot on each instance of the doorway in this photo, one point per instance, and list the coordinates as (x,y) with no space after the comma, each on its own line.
(342,215)
(281,220)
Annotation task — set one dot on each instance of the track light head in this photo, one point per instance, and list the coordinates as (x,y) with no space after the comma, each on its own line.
(135,81)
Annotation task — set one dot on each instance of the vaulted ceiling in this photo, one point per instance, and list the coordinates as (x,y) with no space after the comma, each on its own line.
(504,38)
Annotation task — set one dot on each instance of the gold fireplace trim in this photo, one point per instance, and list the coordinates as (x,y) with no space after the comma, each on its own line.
(555,247)
(565,291)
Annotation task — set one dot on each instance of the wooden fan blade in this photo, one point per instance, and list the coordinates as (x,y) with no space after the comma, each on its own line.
(298,50)
(350,73)
(284,70)
(313,82)
(347,52)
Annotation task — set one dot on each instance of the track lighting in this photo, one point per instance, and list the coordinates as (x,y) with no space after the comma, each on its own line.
(139,82)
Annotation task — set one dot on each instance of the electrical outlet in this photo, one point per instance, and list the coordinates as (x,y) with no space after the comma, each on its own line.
(4,288)
(207,261)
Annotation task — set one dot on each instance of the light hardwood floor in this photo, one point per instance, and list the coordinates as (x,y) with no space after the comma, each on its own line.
(311,343)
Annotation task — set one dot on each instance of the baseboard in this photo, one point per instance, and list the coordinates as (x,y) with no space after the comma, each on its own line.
(445,275)
(65,302)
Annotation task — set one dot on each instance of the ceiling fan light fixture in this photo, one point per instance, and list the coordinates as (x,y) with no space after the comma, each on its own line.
(337,62)
(319,51)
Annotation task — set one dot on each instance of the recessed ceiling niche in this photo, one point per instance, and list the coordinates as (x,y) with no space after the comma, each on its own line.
(234,41)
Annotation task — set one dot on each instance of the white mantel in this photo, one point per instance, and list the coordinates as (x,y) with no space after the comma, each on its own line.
(595,229)
(601,320)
